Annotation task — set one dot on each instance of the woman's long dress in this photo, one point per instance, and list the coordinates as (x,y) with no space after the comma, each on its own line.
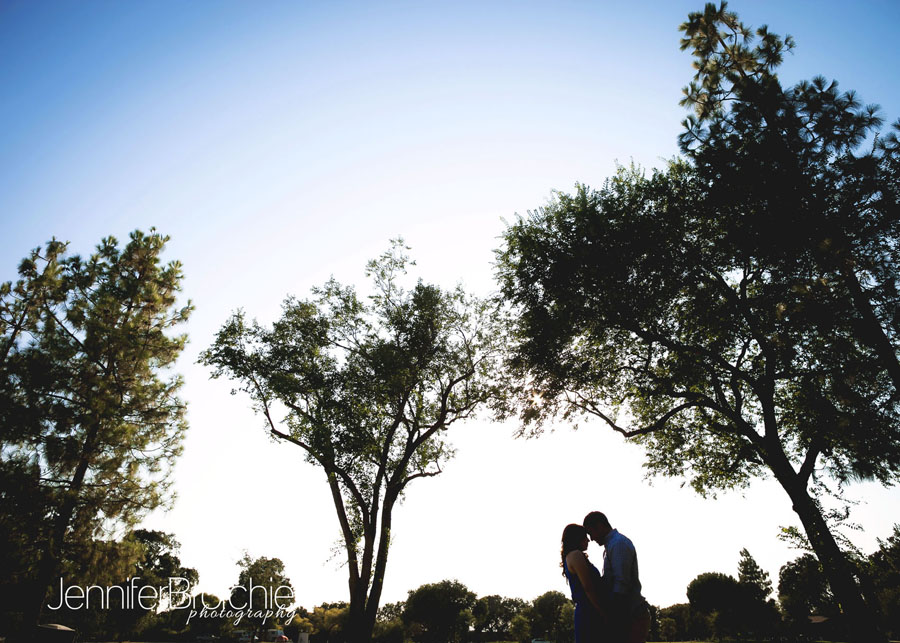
(588,624)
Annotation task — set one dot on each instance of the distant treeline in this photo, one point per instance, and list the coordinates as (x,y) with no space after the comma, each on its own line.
(719,606)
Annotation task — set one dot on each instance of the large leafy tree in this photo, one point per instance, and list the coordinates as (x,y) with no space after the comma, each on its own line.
(90,417)
(783,170)
(367,390)
(735,312)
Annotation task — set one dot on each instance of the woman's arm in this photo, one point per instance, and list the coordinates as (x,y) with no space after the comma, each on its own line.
(578,564)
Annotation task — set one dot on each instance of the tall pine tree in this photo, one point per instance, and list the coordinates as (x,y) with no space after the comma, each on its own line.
(90,414)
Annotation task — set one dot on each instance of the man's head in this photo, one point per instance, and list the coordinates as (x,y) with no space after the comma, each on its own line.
(597,526)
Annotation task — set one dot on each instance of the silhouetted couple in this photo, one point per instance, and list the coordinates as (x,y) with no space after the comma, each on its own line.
(609,607)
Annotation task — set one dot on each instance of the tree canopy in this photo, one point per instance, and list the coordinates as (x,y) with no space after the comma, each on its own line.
(368,389)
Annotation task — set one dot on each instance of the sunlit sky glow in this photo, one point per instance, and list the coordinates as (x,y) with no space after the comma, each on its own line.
(279,143)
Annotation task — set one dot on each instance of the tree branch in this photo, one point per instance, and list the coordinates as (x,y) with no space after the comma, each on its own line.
(420,474)
(589,406)
(809,462)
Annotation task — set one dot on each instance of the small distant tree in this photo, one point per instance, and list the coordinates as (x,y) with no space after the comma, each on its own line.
(493,615)
(158,561)
(262,586)
(151,556)
(389,631)
(679,617)
(389,627)
(520,627)
(566,627)
(653,633)
(103,563)
(391,611)
(803,591)
(552,617)
(329,622)
(301,622)
(668,629)
(222,628)
(368,390)
(753,578)
(718,597)
(758,615)
(441,611)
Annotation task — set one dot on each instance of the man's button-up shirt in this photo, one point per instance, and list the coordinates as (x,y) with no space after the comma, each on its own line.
(620,564)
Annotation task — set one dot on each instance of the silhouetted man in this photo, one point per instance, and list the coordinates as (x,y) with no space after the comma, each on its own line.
(629,612)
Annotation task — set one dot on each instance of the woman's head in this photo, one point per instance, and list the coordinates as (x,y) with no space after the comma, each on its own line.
(574,538)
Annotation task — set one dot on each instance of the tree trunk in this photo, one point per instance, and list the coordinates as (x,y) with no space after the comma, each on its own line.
(384,543)
(861,622)
(50,562)
(362,632)
(356,617)
(356,584)
(363,610)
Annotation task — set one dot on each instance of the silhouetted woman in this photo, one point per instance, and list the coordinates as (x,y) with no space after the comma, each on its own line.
(586,585)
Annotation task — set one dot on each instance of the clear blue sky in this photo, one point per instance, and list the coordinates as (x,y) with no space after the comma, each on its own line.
(281,142)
